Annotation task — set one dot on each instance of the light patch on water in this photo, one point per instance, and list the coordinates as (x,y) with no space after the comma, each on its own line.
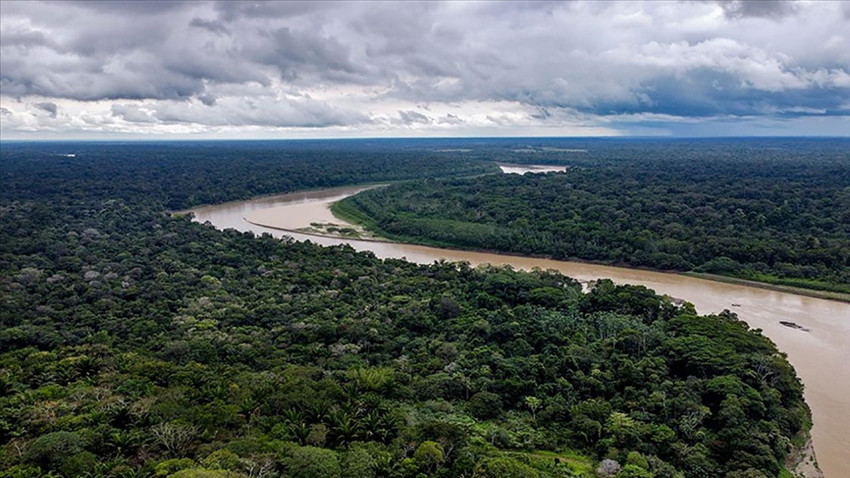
(531,168)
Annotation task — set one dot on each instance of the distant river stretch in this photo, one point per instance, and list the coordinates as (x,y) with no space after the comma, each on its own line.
(820,355)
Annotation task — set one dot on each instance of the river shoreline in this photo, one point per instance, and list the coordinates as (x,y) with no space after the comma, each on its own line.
(279,196)
(352,221)
(818,294)
(836,296)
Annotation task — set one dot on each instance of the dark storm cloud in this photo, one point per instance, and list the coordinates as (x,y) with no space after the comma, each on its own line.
(287,49)
(85,56)
(132,7)
(230,10)
(49,107)
(22,38)
(412,117)
(132,113)
(285,64)
(208,100)
(85,83)
(757,8)
(709,94)
(542,114)
(450,119)
(156,50)
(210,25)
(302,113)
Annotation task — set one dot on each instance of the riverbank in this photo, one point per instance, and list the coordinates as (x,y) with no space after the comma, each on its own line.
(820,294)
(317,232)
(368,231)
(802,461)
(282,197)
(355,217)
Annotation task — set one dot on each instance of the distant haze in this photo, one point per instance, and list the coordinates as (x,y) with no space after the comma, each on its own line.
(192,69)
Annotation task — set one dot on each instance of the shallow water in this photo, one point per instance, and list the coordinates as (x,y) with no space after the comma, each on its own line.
(821,356)
(530,168)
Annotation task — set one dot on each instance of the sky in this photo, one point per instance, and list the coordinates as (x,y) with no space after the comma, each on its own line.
(265,70)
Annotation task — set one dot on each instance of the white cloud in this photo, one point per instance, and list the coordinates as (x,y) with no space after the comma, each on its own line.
(326,68)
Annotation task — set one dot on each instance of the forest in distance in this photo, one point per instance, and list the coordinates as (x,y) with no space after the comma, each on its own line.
(137,343)
(772,213)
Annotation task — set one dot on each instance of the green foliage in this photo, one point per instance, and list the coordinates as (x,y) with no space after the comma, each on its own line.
(504,467)
(373,379)
(135,343)
(309,462)
(53,450)
(223,459)
(79,464)
(182,174)
(772,214)
(24,471)
(364,462)
(485,405)
(203,473)
(635,458)
(169,467)
(429,455)
(633,471)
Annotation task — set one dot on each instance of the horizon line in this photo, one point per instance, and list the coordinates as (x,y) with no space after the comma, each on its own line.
(407,138)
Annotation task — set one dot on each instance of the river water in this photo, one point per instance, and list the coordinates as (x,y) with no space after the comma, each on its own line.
(529,168)
(821,356)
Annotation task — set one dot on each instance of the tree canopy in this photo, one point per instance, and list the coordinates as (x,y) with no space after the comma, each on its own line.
(136,343)
(778,213)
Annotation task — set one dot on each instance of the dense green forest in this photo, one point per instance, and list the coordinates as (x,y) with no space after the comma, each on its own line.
(783,219)
(184,174)
(134,343)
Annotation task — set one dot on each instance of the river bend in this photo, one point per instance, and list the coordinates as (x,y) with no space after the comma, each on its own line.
(820,355)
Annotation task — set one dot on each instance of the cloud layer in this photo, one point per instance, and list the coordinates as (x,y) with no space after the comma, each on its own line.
(281,69)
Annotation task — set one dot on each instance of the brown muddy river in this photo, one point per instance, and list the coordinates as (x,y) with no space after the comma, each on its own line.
(821,356)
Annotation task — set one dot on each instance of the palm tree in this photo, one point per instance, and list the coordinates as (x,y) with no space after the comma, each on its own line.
(344,428)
